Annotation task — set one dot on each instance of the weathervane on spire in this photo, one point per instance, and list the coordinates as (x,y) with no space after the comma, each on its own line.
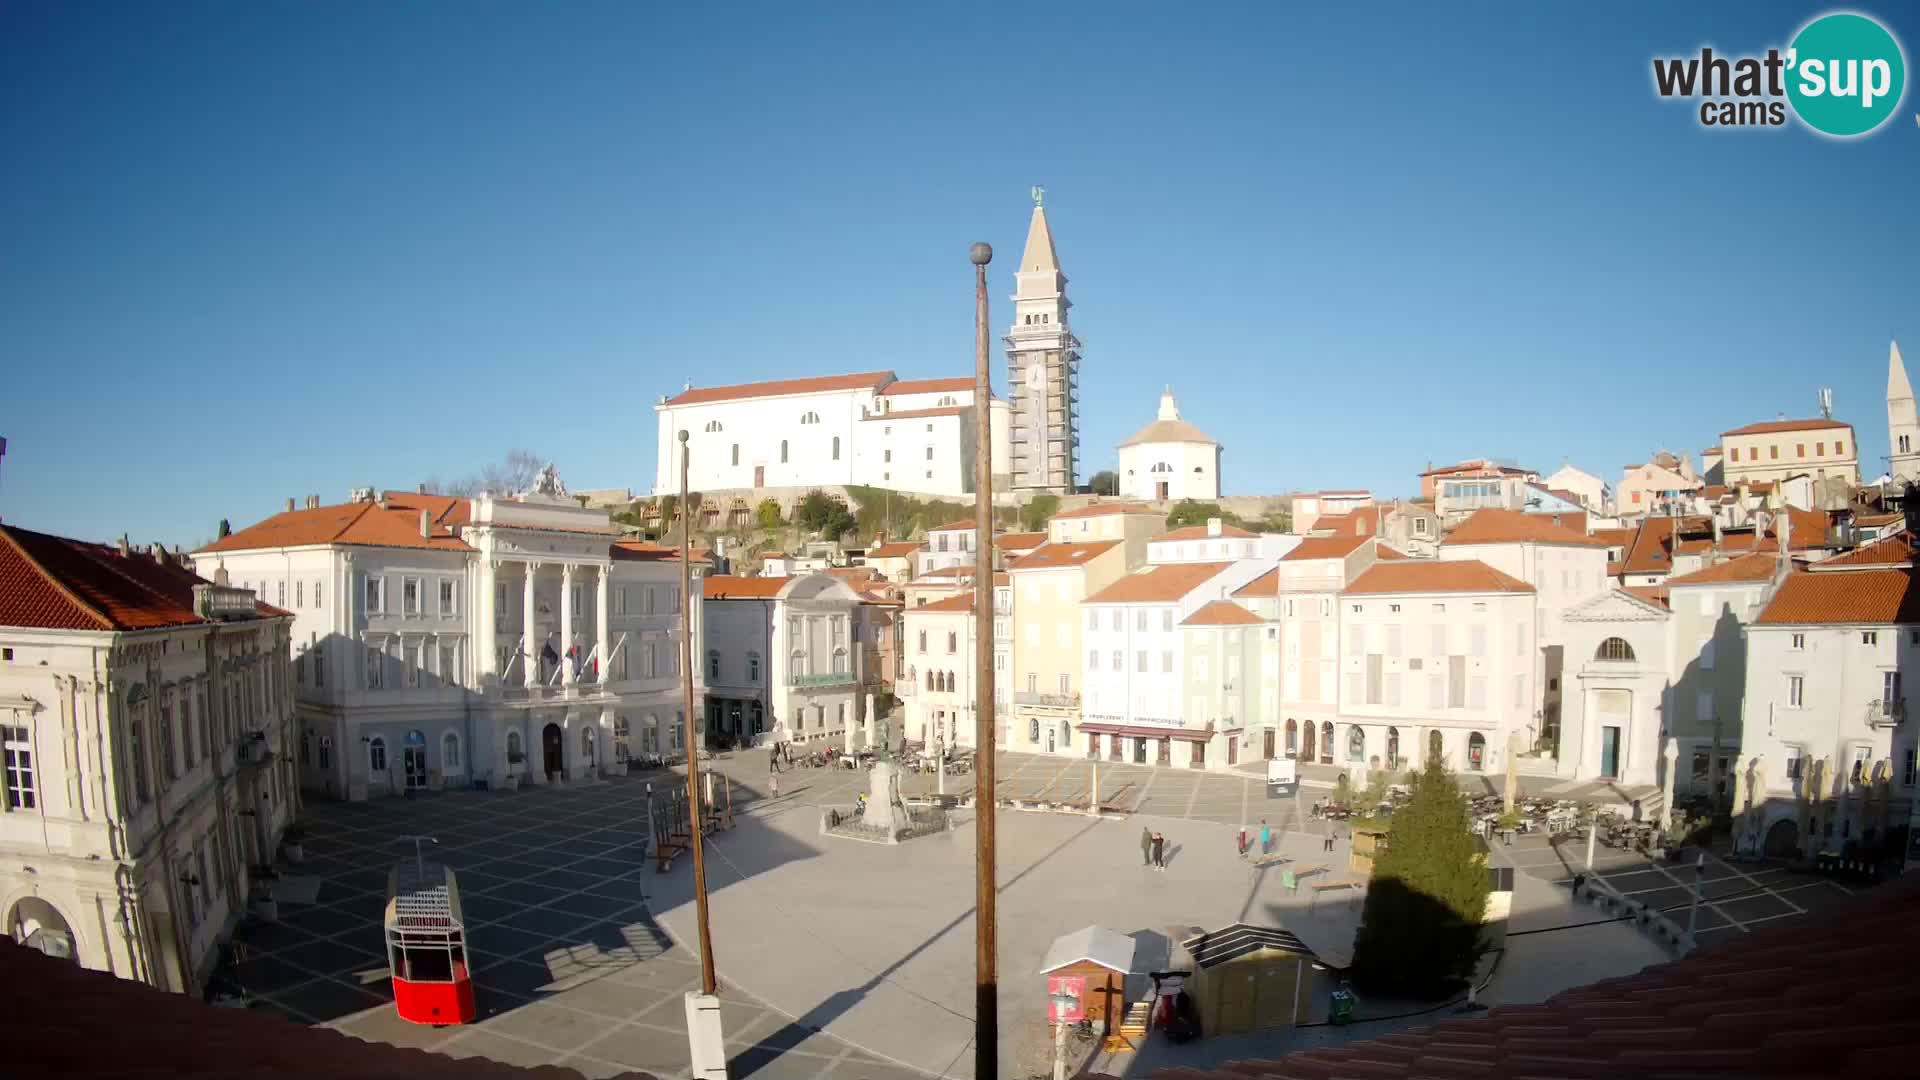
(1039,193)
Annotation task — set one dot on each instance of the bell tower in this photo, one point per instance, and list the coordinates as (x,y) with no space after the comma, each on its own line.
(1903,425)
(1043,367)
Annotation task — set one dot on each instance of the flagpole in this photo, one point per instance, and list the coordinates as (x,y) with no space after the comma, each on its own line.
(986,991)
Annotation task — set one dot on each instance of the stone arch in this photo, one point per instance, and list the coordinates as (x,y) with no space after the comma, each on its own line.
(1783,839)
(35,922)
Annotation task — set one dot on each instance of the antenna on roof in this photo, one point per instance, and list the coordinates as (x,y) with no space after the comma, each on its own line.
(1826,403)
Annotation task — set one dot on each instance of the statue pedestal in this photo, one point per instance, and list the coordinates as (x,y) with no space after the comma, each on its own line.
(885,812)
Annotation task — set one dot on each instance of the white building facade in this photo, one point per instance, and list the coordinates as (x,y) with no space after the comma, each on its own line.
(1169,460)
(442,642)
(783,662)
(148,725)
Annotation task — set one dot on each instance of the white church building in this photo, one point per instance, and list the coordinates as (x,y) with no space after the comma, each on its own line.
(1169,460)
(871,428)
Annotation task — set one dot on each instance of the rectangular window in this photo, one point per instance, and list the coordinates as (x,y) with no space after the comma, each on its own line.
(1773,452)
(448,605)
(410,596)
(1840,447)
(1869,637)
(375,664)
(1456,682)
(1093,619)
(1798,642)
(1374,674)
(299,594)
(1066,684)
(1800,449)
(22,794)
(1166,661)
(412,656)
(1140,661)
(1140,619)
(1439,641)
(376,594)
(1093,660)
(1907,768)
(1795,761)
(449,664)
(282,593)
(1796,691)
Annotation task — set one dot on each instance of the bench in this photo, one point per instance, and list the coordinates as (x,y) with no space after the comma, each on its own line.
(1329,887)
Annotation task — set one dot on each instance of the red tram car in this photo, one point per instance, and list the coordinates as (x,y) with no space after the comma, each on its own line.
(427,945)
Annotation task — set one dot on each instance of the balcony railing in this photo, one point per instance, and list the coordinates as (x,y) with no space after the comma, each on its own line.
(1052,701)
(1884,713)
(831,678)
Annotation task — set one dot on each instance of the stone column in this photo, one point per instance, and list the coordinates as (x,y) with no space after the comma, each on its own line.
(530,649)
(566,624)
(601,637)
(1672,755)
(485,642)
(603,748)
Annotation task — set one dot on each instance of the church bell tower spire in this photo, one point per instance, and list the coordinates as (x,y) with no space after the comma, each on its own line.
(1043,367)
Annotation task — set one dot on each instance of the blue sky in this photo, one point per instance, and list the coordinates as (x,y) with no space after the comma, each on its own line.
(255,250)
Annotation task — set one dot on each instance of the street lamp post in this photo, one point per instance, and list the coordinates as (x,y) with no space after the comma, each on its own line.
(706,1041)
(986,988)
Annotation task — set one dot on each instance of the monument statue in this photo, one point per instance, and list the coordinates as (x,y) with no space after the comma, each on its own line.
(885,810)
(548,483)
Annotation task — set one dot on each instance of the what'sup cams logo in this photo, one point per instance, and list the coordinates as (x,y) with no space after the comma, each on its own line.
(1844,75)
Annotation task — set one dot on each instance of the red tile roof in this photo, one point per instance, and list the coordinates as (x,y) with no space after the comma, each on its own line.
(1615,537)
(1895,550)
(1199,532)
(929,386)
(1222,613)
(69,1021)
(1324,547)
(730,587)
(446,509)
(1652,594)
(1434,576)
(1820,996)
(1161,584)
(1477,464)
(1385,552)
(865,380)
(364,524)
(1856,596)
(901,550)
(1754,567)
(959,603)
(1023,541)
(1102,509)
(966,524)
(1770,427)
(53,583)
(1054,556)
(1494,526)
(1266,585)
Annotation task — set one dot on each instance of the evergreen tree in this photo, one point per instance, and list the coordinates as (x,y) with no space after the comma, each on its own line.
(1420,930)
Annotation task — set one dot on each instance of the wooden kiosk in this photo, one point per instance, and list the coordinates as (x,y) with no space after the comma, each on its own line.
(1093,963)
(1249,978)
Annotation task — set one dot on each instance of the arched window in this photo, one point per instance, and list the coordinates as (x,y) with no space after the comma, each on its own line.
(377,754)
(1436,747)
(1356,743)
(650,734)
(620,735)
(929,680)
(586,744)
(1614,649)
(1033,731)
(1393,747)
(449,752)
(713,425)
(836,448)
(1293,737)
(1066,734)
(1326,743)
(946,402)
(839,661)
(1476,751)
(809,417)
(783,451)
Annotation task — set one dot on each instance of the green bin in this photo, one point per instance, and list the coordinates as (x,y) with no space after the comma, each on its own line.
(1340,1007)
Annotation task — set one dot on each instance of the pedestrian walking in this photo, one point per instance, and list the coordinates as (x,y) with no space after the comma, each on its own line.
(1328,846)
(1243,841)
(1266,837)
(1159,852)
(773,784)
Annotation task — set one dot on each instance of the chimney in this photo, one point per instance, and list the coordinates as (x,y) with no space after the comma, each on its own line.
(313,502)
(423,487)
(426,525)
(380,500)
(126,549)
(1213,526)
(289,503)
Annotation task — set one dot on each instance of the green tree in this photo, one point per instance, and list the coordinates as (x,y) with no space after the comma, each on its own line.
(1104,482)
(1420,930)
(1034,515)
(1187,512)
(768,514)
(824,515)
(668,504)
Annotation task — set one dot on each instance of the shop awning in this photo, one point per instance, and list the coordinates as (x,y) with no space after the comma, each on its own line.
(1135,731)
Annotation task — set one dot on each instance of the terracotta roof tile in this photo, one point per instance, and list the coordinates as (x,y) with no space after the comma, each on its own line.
(1615,537)
(53,583)
(901,550)
(929,386)
(1102,509)
(960,603)
(1786,999)
(1770,427)
(1222,613)
(1386,552)
(1266,585)
(1652,594)
(1324,547)
(1855,596)
(447,509)
(730,587)
(72,1021)
(1199,532)
(1754,567)
(1477,464)
(1494,526)
(364,524)
(966,524)
(1054,556)
(1022,541)
(1434,576)
(1895,550)
(1163,583)
(865,380)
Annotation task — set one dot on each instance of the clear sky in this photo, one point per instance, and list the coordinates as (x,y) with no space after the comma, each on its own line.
(258,250)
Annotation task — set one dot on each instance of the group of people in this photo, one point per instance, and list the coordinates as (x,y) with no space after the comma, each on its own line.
(1266,839)
(1153,849)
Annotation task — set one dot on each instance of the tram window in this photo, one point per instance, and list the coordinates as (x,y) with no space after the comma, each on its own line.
(429,965)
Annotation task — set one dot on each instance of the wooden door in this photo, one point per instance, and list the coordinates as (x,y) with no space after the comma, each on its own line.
(1269,745)
(759,476)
